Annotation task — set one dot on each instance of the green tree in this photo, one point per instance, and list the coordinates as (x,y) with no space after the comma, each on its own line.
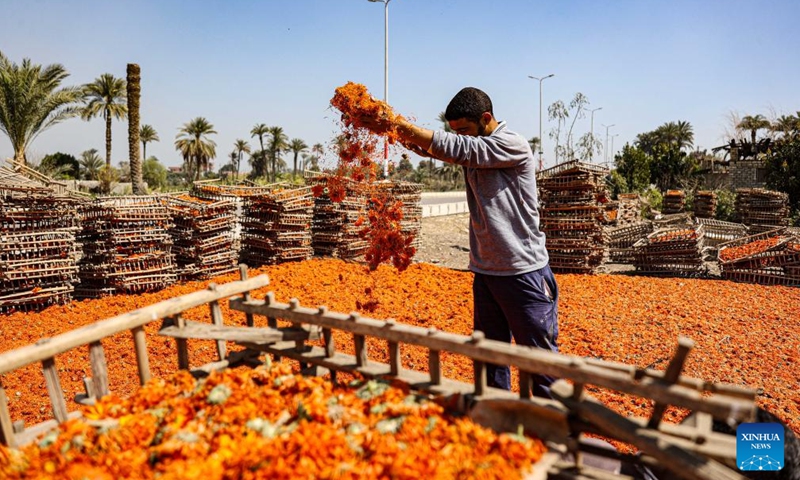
(154,173)
(259,164)
(753,123)
(91,164)
(783,170)
(278,143)
(535,143)
(670,166)
(60,165)
(404,168)
(195,146)
(240,147)
(787,125)
(32,100)
(147,134)
(296,146)
(726,205)
(633,165)
(616,183)
(105,97)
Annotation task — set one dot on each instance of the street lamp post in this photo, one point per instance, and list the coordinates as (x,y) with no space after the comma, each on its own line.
(541,140)
(385,76)
(605,149)
(591,144)
(612,144)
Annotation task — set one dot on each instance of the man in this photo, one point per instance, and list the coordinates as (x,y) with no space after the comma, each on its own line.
(514,291)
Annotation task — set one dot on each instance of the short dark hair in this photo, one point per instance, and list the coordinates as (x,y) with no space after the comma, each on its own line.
(469,103)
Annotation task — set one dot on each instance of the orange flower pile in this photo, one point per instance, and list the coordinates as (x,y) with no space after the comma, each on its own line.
(748,249)
(744,332)
(669,236)
(268,423)
(357,148)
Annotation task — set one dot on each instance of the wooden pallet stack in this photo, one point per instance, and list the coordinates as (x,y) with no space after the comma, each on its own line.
(276,226)
(38,250)
(689,451)
(768,258)
(718,231)
(573,196)
(334,231)
(674,202)
(629,209)
(671,251)
(705,204)
(203,236)
(762,210)
(126,245)
(620,240)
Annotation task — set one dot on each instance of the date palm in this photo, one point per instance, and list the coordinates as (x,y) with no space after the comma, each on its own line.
(147,134)
(239,147)
(134,91)
(260,163)
(105,97)
(91,164)
(297,146)
(194,144)
(278,143)
(32,100)
(754,123)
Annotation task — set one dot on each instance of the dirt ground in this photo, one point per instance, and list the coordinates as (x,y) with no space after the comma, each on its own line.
(445,241)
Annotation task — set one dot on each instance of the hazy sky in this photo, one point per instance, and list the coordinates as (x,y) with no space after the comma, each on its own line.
(242,62)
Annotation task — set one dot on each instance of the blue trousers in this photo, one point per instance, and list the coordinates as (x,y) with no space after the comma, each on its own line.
(524,306)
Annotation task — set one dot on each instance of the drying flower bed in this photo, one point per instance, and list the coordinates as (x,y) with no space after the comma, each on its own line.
(746,334)
(271,424)
(753,248)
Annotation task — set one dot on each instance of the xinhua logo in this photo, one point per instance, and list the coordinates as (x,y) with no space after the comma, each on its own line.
(759,446)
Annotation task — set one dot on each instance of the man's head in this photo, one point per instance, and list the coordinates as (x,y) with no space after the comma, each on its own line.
(470,113)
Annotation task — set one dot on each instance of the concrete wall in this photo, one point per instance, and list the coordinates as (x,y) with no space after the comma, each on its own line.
(444,209)
(743,174)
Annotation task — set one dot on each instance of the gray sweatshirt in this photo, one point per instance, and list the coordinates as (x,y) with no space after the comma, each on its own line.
(504,233)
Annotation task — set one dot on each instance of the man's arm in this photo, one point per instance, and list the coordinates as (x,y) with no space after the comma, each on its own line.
(410,133)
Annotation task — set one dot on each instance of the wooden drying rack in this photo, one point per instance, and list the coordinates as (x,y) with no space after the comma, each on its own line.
(686,451)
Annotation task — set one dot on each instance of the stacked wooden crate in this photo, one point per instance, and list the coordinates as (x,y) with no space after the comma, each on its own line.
(762,210)
(620,240)
(127,246)
(671,251)
(203,236)
(718,231)
(629,209)
(334,231)
(573,196)
(705,204)
(674,202)
(38,251)
(276,226)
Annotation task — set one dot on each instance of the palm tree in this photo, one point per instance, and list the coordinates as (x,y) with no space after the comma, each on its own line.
(787,125)
(147,134)
(91,164)
(31,101)
(534,143)
(684,134)
(105,96)
(259,131)
(296,146)
(754,124)
(278,144)
(134,90)
(240,146)
(193,143)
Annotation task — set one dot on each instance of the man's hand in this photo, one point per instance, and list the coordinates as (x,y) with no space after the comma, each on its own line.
(416,149)
(380,123)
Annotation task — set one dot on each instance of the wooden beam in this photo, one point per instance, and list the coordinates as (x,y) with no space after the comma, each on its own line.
(207,331)
(246,295)
(7,436)
(54,390)
(142,357)
(97,359)
(181,344)
(672,374)
(49,347)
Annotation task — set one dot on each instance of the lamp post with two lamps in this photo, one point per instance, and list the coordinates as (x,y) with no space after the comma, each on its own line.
(591,144)
(605,149)
(541,140)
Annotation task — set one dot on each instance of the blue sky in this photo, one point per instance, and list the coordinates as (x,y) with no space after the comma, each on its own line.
(239,62)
